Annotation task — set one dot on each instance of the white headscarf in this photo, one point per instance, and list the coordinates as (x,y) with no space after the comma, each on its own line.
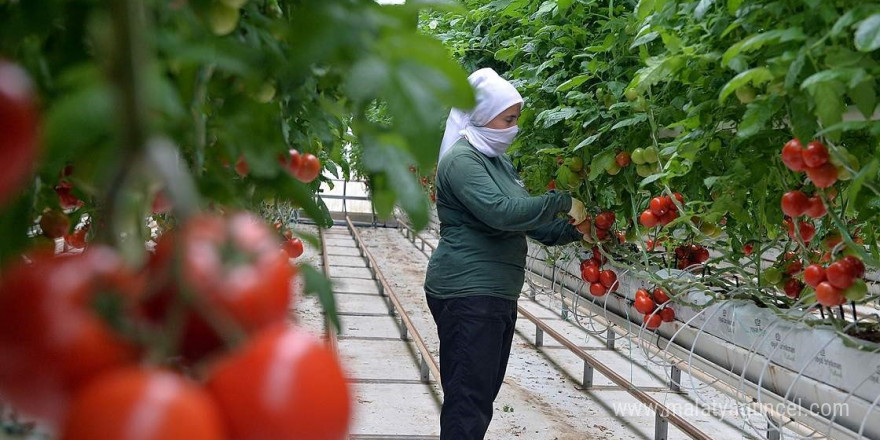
(494,95)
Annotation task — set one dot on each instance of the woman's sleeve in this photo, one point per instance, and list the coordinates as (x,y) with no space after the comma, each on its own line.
(470,183)
(557,233)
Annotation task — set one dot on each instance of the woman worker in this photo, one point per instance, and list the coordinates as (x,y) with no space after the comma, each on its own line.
(477,272)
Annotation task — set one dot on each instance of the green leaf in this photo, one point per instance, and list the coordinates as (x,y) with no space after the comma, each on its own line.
(756,76)
(829,104)
(755,118)
(847,126)
(317,284)
(658,69)
(848,75)
(573,82)
(507,54)
(702,8)
(637,119)
(563,5)
(867,36)
(868,171)
(794,71)
(587,141)
(733,6)
(865,97)
(599,163)
(645,8)
(758,41)
(644,39)
(552,116)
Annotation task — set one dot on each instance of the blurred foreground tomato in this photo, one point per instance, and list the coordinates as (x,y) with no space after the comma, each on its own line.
(143,404)
(18,129)
(285,384)
(230,276)
(52,335)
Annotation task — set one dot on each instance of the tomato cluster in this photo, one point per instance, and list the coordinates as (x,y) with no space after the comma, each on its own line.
(100,349)
(838,282)
(600,281)
(688,255)
(783,273)
(814,160)
(599,228)
(655,306)
(661,211)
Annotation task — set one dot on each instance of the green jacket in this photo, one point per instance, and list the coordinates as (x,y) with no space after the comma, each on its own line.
(485,215)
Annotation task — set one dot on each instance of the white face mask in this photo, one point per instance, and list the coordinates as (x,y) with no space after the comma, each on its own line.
(491,141)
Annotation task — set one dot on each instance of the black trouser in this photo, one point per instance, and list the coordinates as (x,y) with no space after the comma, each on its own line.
(475,337)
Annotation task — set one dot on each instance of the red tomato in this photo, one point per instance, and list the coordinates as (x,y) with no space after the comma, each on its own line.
(590,274)
(78,238)
(608,278)
(652,322)
(19,127)
(660,296)
(52,340)
(792,155)
(667,315)
(679,197)
(839,275)
(658,206)
(702,255)
(823,176)
(816,208)
(66,199)
(605,220)
(748,248)
(293,247)
(815,154)
(161,204)
(232,266)
(310,168)
(601,234)
(668,218)
(597,289)
(597,255)
(241,166)
(650,244)
(794,203)
(285,384)
(855,266)
(648,219)
(814,274)
(642,292)
(54,224)
(644,305)
(806,230)
(793,267)
(622,159)
(793,288)
(828,295)
(552,185)
(589,262)
(143,404)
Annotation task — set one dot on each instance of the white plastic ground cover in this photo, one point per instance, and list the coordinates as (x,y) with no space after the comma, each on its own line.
(809,366)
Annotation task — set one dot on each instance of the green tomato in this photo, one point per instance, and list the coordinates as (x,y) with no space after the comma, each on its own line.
(608,100)
(235,4)
(266,93)
(641,105)
(631,94)
(644,170)
(745,94)
(715,145)
(575,164)
(638,156)
(857,292)
(613,169)
(843,174)
(651,155)
(222,19)
(772,276)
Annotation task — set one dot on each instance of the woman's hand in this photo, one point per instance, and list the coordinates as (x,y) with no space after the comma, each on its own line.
(577,212)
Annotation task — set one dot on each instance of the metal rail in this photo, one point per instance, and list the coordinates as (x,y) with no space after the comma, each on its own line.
(329,333)
(663,415)
(427,364)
